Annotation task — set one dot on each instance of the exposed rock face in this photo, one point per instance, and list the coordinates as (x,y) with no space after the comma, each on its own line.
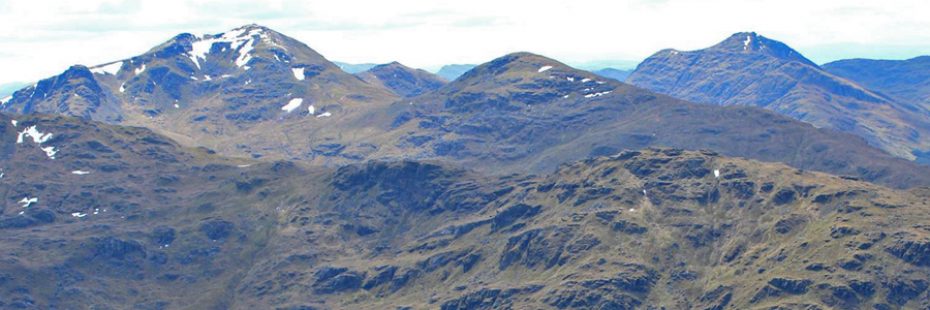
(749,69)
(911,248)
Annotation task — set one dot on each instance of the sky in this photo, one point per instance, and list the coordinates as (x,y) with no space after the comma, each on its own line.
(41,38)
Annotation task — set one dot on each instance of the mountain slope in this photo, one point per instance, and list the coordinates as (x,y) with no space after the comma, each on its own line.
(748,69)
(525,112)
(402,80)
(656,227)
(905,80)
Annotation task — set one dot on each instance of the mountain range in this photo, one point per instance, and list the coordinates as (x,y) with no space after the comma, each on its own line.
(749,69)
(244,170)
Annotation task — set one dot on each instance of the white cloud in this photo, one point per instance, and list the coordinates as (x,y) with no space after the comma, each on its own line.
(43,37)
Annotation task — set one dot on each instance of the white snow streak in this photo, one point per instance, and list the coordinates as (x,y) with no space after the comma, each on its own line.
(111,69)
(597,94)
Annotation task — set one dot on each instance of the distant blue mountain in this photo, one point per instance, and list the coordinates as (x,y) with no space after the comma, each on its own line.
(354,68)
(452,72)
(906,80)
(611,73)
(750,69)
(7,89)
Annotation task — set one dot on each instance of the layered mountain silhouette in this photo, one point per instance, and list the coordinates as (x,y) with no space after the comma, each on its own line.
(749,69)
(402,80)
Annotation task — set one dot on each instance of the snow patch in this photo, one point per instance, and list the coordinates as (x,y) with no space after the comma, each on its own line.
(26,202)
(14,122)
(78,214)
(122,87)
(325,114)
(298,73)
(239,39)
(597,94)
(311,110)
(544,68)
(80,172)
(746,43)
(140,69)
(36,135)
(111,69)
(38,138)
(50,151)
(292,105)
(716,173)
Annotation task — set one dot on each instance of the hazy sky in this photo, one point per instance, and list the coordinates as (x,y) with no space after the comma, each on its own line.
(40,38)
